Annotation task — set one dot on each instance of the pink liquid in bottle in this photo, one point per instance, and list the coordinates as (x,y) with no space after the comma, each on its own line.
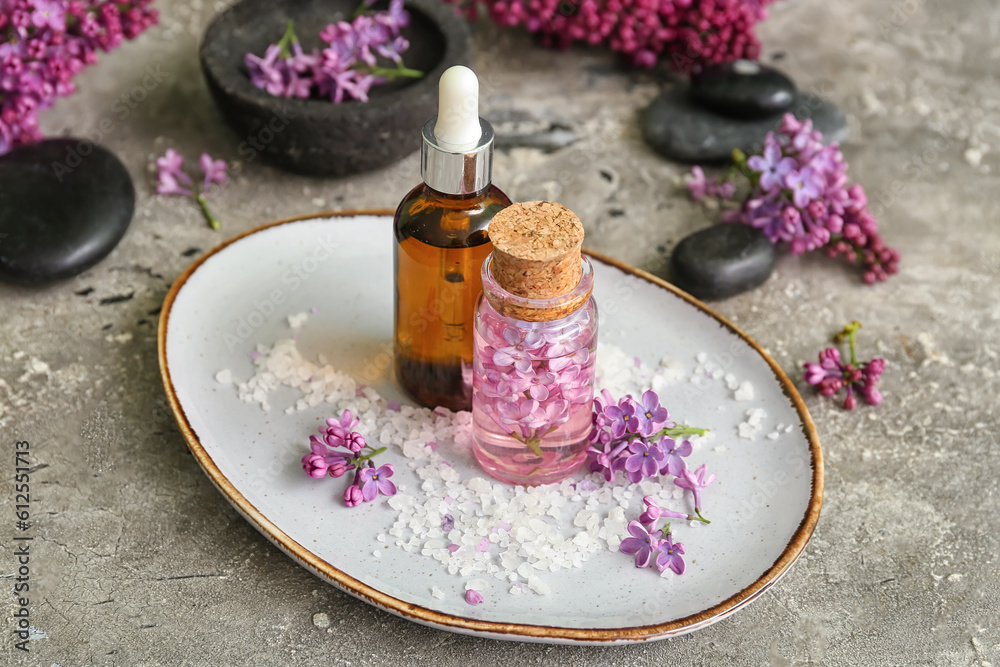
(533,384)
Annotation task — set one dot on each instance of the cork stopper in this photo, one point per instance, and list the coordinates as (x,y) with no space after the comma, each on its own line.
(536,249)
(537,256)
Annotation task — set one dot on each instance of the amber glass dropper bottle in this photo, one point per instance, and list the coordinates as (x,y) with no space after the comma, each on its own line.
(441,242)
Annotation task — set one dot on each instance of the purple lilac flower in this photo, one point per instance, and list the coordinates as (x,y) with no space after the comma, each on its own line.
(805,185)
(265,72)
(695,482)
(801,196)
(652,416)
(642,544)
(622,417)
(447,523)
(773,167)
(606,459)
(669,555)
(645,460)
(473,597)
(673,461)
(346,69)
(374,482)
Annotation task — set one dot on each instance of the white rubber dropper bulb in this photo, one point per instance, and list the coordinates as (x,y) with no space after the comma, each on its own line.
(458,109)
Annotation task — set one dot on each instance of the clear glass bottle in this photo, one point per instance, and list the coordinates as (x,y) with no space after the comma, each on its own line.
(441,242)
(533,381)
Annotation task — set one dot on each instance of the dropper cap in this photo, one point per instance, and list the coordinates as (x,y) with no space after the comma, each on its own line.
(456,156)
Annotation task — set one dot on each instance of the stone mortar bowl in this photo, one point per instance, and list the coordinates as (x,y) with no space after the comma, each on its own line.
(316,136)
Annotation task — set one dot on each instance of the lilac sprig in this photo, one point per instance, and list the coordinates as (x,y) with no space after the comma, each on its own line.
(637,437)
(44,44)
(652,546)
(171,180)
(347,68)
(799,195)
(831,374)
(339,449)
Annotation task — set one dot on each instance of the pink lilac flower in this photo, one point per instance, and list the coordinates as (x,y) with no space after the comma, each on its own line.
(654,513)
(518,350)
(314,465)
(669,555)
(695,482)
(831,374)
(473,597)
(353,495)
(684,34)
(214,170)
(44,44)
(168,184)
(567,354)
(642,544)
(538,385)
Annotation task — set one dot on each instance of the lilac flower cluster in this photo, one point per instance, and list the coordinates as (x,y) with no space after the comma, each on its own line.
(686,33)
(339,448)
(171,179)
(345,70)
(637,437)
(647,540)
(799,194)
(531,384)
(44,44)
(831,374)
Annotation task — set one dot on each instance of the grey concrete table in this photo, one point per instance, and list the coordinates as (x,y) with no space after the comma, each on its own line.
(139,561)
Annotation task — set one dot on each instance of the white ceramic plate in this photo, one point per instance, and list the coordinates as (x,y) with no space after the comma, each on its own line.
(765,503)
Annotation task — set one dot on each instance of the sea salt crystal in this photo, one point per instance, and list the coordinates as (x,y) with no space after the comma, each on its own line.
(437,592)
(513,534)
(225,376)
(745,392)
(539,586)
(297,320)
(476,584)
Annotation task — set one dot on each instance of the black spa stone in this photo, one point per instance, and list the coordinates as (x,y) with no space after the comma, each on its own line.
(316,136)
(722,261)
(743,89)
(680,129)
(64,205)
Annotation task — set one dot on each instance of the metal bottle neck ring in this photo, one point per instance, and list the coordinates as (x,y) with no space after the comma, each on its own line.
(456,172)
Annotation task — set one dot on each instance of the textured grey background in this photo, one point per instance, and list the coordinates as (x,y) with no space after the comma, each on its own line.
(139,561)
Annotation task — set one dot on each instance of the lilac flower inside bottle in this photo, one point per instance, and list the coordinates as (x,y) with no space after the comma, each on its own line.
(535,341)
